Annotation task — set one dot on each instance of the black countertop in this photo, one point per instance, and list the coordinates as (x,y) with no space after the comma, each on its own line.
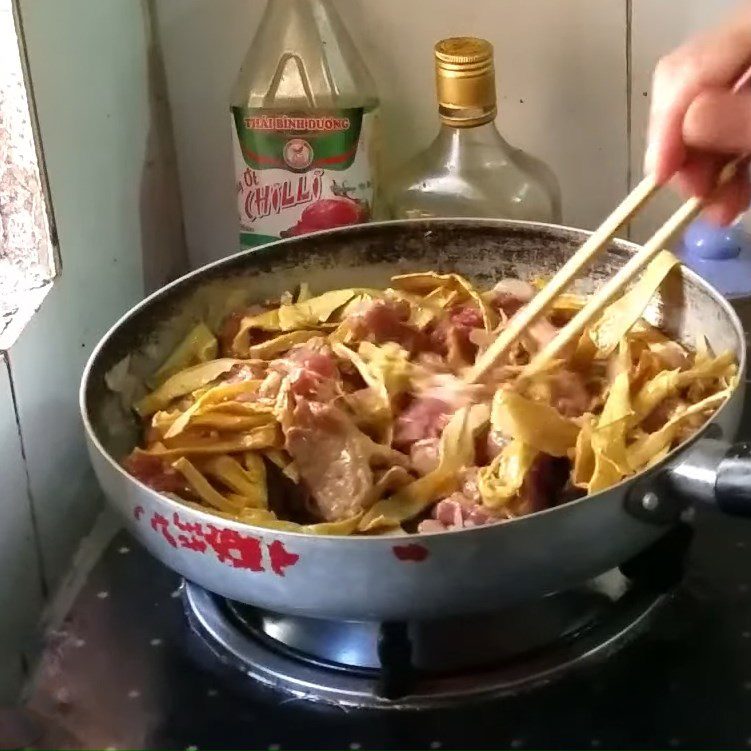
(125,671)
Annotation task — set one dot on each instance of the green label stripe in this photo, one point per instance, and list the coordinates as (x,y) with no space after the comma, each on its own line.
(250,239)
(263,147)
(259,161)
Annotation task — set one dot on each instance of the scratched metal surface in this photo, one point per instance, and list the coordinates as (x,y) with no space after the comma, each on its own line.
(218,556)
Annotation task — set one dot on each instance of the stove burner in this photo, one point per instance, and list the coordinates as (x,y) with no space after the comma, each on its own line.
(424,664)
(430,663)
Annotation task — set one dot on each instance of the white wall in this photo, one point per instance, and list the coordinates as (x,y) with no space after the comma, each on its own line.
(562,81)
(20,580)
(114,195)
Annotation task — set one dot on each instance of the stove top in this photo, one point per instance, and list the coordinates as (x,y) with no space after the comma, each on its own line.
(427,664)
(128,669)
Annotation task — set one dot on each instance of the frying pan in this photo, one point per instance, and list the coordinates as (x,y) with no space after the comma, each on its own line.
(409,576)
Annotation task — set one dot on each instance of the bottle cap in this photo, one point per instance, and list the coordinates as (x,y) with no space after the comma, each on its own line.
(465,81)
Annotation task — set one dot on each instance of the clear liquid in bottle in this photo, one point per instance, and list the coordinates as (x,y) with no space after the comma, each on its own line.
(469,170)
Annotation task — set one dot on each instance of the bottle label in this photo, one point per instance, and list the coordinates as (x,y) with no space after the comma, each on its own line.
(301,172)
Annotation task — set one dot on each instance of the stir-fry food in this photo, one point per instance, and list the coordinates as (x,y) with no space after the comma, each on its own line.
(347,412)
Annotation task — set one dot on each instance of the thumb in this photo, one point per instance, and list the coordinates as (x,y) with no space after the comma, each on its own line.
(719,121)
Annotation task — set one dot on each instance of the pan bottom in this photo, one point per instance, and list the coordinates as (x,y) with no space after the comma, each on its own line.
(425,664)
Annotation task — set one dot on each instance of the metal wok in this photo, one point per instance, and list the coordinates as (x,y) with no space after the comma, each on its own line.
(418,576)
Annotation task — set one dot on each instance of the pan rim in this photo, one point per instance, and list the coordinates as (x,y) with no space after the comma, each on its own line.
(209,518)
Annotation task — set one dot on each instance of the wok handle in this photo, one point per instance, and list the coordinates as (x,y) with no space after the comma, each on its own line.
(717,474)
(712,473)
(733,480)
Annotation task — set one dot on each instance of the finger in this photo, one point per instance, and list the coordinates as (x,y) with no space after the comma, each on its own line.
(716,61)
(698,175)
(720,122)
(731,200)
(670,99)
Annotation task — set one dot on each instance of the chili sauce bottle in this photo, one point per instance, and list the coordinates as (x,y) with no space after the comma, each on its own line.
(304,122)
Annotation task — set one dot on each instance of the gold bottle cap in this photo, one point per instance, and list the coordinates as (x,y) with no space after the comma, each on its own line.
(465,81)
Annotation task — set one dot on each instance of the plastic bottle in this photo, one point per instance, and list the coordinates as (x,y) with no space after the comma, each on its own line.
(304,117)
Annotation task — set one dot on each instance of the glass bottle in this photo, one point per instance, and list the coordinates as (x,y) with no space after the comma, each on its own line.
(304,120)
(469,169)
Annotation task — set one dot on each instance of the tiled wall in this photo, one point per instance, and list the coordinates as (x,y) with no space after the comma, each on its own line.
(563,70)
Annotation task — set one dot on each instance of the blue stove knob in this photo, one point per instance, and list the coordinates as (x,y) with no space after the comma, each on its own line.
(722,255)
(710,242)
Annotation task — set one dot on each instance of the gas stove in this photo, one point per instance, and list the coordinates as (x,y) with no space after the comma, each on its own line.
(651,655)
(438,663)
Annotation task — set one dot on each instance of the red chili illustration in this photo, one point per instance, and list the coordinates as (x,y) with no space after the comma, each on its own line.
(327,213)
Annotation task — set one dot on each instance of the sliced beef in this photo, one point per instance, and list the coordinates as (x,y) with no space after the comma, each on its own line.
(156,473)
(424,455)
(439,396)
(424,417)
(495,442)
(569,393)
(456,512)
(544,483)
(311,370)
(461,509)
(509,295)
(335,459)
(382,321)
(457,330)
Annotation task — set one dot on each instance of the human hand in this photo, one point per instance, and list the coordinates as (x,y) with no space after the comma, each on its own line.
(696,121)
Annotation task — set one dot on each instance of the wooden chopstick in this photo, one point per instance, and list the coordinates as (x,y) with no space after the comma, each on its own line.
(597,303)
(593,245)
(562,279)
